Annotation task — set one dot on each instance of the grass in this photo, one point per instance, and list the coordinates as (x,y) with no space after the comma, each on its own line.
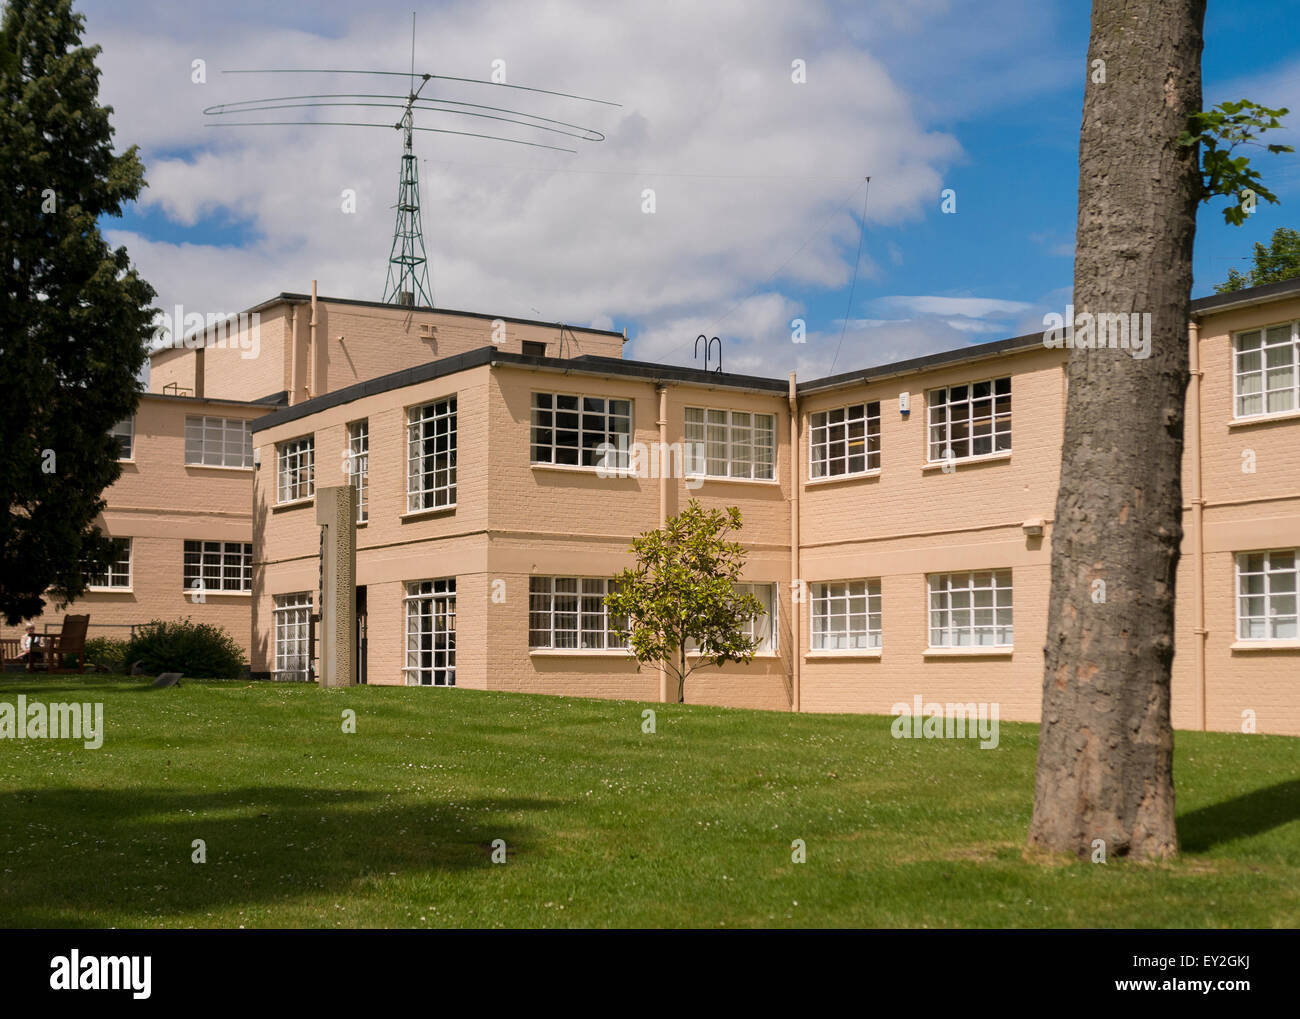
(604,825)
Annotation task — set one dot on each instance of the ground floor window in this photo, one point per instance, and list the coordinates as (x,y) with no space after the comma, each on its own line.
(431,632)
(293,635)
(1266,595)
(846,615)
(570,612)
(971,609)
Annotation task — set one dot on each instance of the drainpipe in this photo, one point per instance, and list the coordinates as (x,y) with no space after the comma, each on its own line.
(796,606)
(1198,519)
(296,368)
(662,390)
(311,347)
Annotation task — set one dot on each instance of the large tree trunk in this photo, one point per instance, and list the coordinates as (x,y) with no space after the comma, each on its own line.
(1105,754)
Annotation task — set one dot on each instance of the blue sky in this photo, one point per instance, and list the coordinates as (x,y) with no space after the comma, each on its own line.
(756,177)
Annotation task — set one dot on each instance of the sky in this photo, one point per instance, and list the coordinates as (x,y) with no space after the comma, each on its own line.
(758,179)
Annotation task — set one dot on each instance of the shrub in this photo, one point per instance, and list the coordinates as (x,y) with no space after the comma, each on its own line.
(108,652)
(199,650)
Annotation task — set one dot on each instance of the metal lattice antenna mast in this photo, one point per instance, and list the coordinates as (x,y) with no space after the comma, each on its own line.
(408,264)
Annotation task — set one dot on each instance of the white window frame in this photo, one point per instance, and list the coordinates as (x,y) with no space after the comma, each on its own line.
(295,469)
(124,431)
(1288,348)
(724,443)
(431,473)
(584,621)
(845,615)
(430,610)
(831,440)
(221,567)
(218,442)
(601,426)
(118,575)
(963,411)
(291,616)
(955,612)
(1279,586)
(359,465)
(762,627)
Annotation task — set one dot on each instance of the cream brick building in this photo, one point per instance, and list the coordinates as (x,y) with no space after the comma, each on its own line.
(892,568)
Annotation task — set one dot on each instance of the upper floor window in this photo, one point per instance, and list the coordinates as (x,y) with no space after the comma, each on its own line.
(730,443)
(117,576)
(846,615)
(971,609)
(581,430)
(1267,375)
(431,456)
(218,442)
(970,420)
(1266,595)
(844,441)
(534,348)
(295,469)
(359,465)
(218,566)
(570,612)
(124,433)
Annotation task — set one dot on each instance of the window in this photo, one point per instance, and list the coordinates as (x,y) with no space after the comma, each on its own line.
(124,433)
(218,566)
(1266,595)
(762,628)
(970,420)
(218,442)
(293,635)
(534,348)
(296,469)
(971,609)
(730,443)
(846,615)
(431,456)
(1267,377)
(845,440)
(570,612)
(573,429)
(359,464)
(118,575)
(431,633)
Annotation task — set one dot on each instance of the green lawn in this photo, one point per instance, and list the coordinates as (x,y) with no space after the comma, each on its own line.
(605,826)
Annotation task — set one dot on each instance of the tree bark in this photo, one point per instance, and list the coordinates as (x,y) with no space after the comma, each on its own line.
(1105,754)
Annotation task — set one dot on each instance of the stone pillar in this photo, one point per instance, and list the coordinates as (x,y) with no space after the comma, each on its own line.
(336,512)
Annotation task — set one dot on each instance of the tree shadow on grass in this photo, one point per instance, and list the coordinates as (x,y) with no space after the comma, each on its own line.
(1241,817)
(83,857)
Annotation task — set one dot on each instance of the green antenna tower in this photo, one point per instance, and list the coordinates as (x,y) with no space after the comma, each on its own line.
(408,265)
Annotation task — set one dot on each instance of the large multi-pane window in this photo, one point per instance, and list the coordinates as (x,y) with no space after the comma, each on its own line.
(295,469)
(124,433)
(359,465)
(730,443)
(1266,595)
(218,442)
(845,440)
(118,574)
(971,609)
(1267,376)
(581,431)
(431,632)
(292,617)
(431,456)
(973,419)
(762,628)
(218,566)
(846,615)
(570,612)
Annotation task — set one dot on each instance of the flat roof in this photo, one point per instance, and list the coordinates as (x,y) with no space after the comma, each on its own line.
(592,364)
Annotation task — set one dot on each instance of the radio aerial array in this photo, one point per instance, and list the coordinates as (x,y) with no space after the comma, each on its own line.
(408,273)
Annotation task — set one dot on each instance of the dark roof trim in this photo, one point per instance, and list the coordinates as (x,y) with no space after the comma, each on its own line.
(1238,298)
(288,298)
(202,399)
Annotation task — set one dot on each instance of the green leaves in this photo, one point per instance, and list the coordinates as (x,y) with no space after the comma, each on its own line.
(1220,132)
(681,594)
(1273,264)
